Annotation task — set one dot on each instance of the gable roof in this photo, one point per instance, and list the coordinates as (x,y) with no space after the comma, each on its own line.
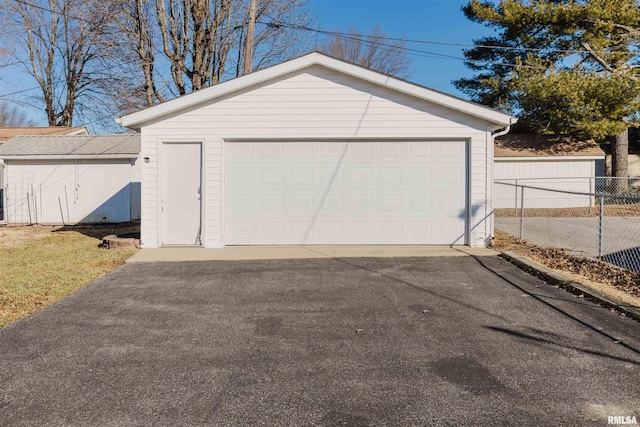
(497,118)
(71,147)
(7,133)
(533,145)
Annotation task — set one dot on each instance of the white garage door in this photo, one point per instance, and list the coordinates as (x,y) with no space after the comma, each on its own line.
(345,193)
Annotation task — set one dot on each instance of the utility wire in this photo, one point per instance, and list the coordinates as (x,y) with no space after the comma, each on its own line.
(392,47)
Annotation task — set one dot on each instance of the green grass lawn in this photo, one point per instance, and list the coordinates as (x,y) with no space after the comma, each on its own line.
(39,265)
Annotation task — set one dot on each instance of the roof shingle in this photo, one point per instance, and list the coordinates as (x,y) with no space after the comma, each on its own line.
(7,133)
(533,145)
(71,145)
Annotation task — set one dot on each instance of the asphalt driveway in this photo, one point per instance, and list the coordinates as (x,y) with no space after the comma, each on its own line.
(275,343)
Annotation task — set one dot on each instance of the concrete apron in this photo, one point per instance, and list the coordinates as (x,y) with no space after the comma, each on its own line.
(242,253)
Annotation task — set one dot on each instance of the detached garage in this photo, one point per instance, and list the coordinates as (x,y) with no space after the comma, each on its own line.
(70,179)
(316,151)
(547,161)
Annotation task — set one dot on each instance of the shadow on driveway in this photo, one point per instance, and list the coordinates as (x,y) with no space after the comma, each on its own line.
(358,341)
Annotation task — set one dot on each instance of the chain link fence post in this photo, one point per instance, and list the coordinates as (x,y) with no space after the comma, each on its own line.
(515,199)
(521,213)
(600,228)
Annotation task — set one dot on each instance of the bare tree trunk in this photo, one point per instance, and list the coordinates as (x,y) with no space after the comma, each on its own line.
(199,14)
(144,48)
(620,160)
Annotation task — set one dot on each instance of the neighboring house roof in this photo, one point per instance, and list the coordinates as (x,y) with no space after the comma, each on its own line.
(71,147)
(10,132)
(496,118)
(532,145)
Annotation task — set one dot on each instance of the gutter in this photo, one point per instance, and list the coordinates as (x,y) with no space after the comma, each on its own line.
(489,189)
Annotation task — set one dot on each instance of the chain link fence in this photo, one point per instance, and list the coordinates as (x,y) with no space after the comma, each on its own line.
(596,218)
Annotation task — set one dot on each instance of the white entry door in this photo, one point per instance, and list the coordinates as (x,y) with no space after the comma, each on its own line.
(181,193)
(403,192)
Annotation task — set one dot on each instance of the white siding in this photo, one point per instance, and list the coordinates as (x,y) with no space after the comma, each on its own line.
(574,175)
(313,104)
(69,191)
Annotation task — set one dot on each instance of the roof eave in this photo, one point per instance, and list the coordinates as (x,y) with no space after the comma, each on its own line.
(547,157)
(136,120)
(67,156)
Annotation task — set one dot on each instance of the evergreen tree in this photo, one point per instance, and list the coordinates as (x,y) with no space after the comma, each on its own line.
(564,66)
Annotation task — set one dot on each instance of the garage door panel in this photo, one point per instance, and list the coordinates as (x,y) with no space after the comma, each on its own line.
(345,193)
(329,175)
(362,152)
(361,204)
(391,230)
(417,176)
(332,150)
(451,176)
(301,204)
(390,176)
(390,204)
(273,231)
(419,204)
(361,230)
(240,230)
(302,150)
(451,152)
(391,151)
(302,177)
(361,176)
(273,203)
(241,205)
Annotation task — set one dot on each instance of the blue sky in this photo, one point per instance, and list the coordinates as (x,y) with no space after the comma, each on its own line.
(431,20)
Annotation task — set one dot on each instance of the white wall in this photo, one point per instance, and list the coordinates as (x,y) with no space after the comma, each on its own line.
(70,191)
(314,103)
(634,165)
(558,174)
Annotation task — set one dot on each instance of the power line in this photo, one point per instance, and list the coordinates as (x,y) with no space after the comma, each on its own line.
(392,47)
(484,46)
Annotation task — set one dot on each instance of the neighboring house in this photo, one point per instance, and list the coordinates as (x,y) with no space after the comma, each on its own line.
(316,151)
(71,179)
(547,161)
(6,133)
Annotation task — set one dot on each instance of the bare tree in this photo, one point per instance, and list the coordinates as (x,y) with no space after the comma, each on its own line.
(372,50)
(92,58)
(11,116)
(281,33)
(62,46)
(202,42)
(137,26)
(197,36)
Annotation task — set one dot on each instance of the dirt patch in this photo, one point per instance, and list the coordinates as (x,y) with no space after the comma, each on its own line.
(614,281)
(630,210)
